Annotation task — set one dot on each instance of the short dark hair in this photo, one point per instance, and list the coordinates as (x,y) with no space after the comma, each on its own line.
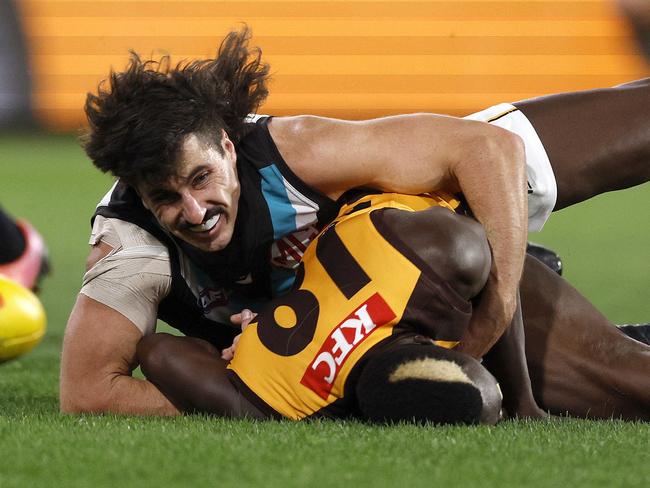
(382,398)
(140,117)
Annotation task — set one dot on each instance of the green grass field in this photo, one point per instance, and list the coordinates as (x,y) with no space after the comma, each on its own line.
(46,179)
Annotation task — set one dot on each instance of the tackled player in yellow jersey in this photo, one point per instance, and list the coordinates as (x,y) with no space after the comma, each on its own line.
(360,286)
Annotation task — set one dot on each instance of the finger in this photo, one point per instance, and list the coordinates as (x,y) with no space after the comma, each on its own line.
(248,318)
(242,317)
(227,354)
(245,325)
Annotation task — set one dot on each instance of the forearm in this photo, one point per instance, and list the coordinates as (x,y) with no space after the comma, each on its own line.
(500,204)
(96,363)
(507,362)
(133,396)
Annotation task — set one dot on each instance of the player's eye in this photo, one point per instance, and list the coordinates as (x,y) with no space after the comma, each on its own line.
(164,198)
(201,178)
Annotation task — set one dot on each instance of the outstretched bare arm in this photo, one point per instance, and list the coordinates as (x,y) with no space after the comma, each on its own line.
(96,364)
(421,153)
(99,355)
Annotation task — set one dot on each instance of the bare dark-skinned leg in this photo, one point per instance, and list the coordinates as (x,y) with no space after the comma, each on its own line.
(191,373)
(579,363)
(597,140)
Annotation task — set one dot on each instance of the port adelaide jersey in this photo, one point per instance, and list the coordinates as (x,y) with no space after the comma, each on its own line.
(278,216)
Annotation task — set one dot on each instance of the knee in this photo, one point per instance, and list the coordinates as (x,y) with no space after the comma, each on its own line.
(153,353)
(470,258)
(455,247)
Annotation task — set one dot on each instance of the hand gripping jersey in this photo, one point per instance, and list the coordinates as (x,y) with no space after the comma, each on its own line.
(358,287)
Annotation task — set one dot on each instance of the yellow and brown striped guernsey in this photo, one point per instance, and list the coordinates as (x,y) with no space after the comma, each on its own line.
(344,58)
(357,286)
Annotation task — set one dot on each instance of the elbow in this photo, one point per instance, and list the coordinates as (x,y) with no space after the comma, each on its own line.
(72,403)
(77,406)
(507,147)
(76,397)
(493,154)
(515,146)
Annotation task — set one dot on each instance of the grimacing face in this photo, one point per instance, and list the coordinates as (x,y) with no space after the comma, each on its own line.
(199,203)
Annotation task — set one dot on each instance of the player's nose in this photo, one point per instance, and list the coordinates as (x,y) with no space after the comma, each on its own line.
(193,211)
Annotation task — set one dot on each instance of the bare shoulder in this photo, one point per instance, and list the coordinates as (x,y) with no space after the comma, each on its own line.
(313,147)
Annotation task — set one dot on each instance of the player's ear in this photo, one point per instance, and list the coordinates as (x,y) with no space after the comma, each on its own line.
(144,203)
(227,145)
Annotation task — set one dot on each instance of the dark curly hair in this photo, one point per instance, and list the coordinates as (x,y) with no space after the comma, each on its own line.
(140,117)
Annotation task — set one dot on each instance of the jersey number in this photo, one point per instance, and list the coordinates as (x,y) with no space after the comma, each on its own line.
(289,326)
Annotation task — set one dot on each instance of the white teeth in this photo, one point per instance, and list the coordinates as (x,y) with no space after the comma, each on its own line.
(207,225)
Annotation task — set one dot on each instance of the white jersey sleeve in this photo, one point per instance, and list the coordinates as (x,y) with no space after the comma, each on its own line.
(134,277)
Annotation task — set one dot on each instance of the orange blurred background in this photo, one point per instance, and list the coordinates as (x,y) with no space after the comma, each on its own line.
(351,59)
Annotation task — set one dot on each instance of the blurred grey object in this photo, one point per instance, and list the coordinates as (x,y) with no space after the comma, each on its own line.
(15,82)
(638,14)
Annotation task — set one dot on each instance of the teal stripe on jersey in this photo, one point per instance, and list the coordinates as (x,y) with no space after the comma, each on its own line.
(282,280)
(283,215)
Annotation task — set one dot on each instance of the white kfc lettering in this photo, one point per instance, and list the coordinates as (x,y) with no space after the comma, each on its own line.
(321,374)
(328,359)
(362,325)
(340,345)
(364,321)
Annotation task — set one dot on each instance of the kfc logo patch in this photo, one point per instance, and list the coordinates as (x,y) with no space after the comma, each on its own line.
(344,339)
